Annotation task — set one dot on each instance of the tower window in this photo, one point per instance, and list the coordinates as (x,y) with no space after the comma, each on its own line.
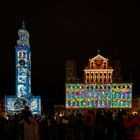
(20,54)
(24,55)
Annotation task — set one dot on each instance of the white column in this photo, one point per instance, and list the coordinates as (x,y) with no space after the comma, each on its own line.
(93,77)
(89,76)
(107,77)
(102,77)
(98,77)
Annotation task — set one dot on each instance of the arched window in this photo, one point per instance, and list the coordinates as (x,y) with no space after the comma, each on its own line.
(96,74)
(20,54)
(24,54)
(105,65)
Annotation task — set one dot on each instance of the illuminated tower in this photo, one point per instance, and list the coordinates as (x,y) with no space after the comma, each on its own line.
(98,70)
(23,64)
(23,78)
(117,77)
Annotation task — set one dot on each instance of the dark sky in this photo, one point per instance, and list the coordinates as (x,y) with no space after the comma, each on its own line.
(60,27)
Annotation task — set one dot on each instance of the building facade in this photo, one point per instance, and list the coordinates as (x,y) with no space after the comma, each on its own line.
(98,71)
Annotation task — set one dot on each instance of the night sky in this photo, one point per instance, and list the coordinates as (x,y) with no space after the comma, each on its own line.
(68,29)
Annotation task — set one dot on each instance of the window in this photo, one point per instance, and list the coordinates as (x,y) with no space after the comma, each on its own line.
(96,80)
(20,54)
(96,74)
(92,65)
(105,65)
(24,55)
(100,74)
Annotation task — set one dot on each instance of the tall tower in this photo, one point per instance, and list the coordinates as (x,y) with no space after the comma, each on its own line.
(71,71)
(23,78)
(23,64)
(117,77)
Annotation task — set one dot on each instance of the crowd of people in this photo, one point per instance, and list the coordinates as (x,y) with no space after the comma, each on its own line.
(90,125)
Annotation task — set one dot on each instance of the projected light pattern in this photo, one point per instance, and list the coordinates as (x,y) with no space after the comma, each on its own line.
(23,77)
(14,104)
(23,71)
(99,95)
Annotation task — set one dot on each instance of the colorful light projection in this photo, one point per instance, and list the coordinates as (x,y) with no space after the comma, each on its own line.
(99,95)
(23,71)
(23,77)
(14,104)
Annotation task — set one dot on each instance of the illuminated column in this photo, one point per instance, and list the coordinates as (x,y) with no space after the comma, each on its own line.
(23,64)
(93,76)
(111,77)
(85,76)
(102,77)
(107,76)
(98,76)
(89,77)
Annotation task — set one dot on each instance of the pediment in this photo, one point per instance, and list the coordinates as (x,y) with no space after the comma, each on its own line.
(98,57)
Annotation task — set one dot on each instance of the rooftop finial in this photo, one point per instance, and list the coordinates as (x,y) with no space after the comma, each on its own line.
(23,25)
(98,51)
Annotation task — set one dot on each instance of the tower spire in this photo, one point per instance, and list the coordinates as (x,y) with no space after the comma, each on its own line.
(23,35)
(98,51)
(23,25)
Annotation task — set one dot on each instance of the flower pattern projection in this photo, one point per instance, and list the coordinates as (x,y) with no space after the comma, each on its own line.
(99,95)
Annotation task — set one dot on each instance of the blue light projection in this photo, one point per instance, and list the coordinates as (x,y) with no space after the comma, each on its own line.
(23,77)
